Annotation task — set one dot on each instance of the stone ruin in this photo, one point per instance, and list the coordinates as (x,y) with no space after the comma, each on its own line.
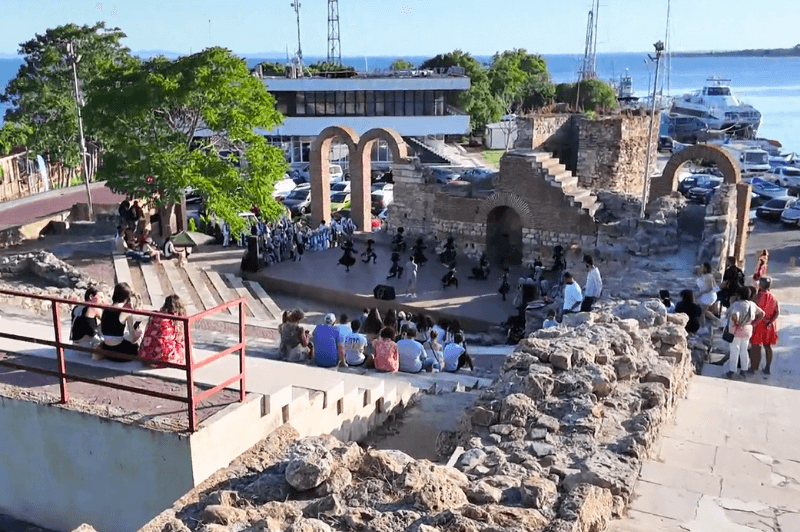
(554,445)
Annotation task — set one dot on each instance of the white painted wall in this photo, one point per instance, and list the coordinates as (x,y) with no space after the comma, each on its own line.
(410,126)
(60,468)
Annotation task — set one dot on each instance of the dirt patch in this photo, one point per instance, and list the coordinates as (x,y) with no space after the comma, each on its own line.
(101,269)
(128,407)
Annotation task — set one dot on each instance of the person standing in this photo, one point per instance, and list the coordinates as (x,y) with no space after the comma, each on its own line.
(732,279)
(328,350)
(594,284)
(707,287)
(572,295)
(411,286)
(762,266)
(741,316)
(504,286)
(765,331)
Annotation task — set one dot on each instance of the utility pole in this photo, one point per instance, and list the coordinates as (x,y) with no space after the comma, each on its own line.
(74,58)
(659,46)
(334,41)
(296,6)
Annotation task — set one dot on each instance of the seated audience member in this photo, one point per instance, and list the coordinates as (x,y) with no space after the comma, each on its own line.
(344,327)
(433,349)
(164,338)
(455,355)
(170,252)
(687,306)
(328,350)
(551,320)
(441,327)
(121,331)
(120,245)
(663,296)
(373,325)
(355,344)
(386,355)
(85,330)
(294,344)
(413,358)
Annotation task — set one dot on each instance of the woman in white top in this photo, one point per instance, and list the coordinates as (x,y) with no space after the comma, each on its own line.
(742,314)
(707,286)
(433,349)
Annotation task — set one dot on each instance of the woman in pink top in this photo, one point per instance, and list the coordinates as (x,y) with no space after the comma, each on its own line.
(386,354)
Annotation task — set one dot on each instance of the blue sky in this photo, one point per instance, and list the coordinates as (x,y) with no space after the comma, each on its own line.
(415,27)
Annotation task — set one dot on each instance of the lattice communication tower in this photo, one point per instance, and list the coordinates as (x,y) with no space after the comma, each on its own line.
(334,41)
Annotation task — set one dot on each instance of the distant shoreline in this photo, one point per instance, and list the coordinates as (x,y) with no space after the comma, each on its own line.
(759,52)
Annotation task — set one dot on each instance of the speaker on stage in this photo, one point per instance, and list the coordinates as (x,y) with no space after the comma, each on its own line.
(383,291)
(250,259)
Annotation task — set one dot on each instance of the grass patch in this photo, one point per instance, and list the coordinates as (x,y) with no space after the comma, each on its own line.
(492,156)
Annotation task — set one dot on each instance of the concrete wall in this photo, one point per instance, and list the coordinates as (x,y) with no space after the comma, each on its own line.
(60,468)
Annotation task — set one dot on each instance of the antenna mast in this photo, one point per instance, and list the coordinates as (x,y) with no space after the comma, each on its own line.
(296,6)
(589,66)
(334,41)
(668,58)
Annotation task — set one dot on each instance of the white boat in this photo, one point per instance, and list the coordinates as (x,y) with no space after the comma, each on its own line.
(625,88)
(719,108)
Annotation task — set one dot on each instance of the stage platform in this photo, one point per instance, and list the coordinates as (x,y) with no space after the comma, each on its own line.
(319,276)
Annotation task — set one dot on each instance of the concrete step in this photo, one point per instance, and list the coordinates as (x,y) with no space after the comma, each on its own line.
(122,270)
(200,284)
(225,293)
(569,184)
(561,176)
(178,286)
(540,156)
(152,284)
(255,308)
(261,294)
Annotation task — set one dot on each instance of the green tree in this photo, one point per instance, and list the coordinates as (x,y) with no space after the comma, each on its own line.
(479,102)
(401,64)
(323,67)
(592,95)
(172,119)
(42,111)
(521,78)
(14,134)
(270,68)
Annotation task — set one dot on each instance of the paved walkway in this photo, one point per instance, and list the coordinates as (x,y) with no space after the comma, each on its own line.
(30,208)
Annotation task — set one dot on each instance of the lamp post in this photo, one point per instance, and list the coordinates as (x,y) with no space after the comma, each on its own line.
(659,46)
(74,58)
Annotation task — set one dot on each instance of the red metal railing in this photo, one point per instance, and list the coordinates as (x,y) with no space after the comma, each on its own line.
(191,399)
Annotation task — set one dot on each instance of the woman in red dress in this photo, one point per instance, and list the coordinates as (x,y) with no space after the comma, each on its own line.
(762,265)
(765,331)
(163,338)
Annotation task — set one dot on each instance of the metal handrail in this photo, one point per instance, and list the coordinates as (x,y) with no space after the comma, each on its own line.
(189,366)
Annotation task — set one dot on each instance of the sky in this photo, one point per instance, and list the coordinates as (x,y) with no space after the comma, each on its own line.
(415,27)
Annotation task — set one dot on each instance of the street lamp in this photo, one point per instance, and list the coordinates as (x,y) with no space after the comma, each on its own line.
(659,46)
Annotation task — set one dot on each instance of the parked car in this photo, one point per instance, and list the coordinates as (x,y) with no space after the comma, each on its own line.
(474,175)
(704,189)
(787,176)
(444,175)
(192,195)
(773,209)
(664,143)
(340,200)
(767,189)
(791,215)
(341,186)
(345,213)
(381,199)
(690,181)
(302,174)
(381,186)
(299,201)
(283,188)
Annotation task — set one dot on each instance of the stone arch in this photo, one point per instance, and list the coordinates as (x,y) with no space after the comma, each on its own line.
(319,169)
(504,245)
(361,175)
(507,199)
(668,182)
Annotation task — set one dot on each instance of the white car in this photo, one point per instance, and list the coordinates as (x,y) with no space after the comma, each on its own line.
(787,176)
(282,188)
(302,173)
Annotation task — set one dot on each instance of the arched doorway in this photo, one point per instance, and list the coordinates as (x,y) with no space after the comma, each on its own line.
(668,181)
(504,236)
(320,169)
(361,176)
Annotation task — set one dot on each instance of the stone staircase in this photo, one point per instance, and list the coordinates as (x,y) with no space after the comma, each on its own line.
(200,288)
(558,176)
(418,144)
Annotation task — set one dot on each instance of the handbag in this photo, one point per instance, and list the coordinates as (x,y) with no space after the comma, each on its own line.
(727,335)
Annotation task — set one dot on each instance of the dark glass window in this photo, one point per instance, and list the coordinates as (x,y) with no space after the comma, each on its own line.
(350,97)
(370,102)
(428,103)
(319,98)
(419,103)
(439,105)
(388,103)
(409,103)
(379,109)
(300,103)
(330,103)
(340,103)
(360,103)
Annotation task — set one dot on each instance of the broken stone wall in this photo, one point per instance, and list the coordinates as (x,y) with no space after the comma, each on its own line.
(719,233)
(612,152)
(554,133)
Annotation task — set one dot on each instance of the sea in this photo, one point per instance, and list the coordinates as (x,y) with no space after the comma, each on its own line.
(770,84)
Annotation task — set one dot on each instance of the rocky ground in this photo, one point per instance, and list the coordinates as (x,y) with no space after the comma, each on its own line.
(555,444)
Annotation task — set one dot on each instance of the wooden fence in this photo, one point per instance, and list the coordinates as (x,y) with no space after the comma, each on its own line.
(20,177)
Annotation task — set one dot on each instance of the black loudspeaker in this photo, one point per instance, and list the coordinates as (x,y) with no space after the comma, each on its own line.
(252,244)
(384,292)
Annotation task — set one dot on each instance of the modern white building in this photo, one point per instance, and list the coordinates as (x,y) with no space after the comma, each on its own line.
(413,103)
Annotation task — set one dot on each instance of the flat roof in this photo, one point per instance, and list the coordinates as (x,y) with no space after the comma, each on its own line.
(367,83)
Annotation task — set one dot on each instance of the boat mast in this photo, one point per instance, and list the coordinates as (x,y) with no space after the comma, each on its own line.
(668,54)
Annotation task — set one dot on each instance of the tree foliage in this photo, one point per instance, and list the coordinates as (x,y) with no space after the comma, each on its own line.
(521,78)
(42,112)
(323,67)
(272,68)
(14,134)
(479,102)
(172,119)
(401,64)
(592,95)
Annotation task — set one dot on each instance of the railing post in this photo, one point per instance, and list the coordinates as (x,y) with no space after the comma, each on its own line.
(62,369)
(187,337)
(242,389)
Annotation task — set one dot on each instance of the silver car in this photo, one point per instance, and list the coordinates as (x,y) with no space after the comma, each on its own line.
(791,216)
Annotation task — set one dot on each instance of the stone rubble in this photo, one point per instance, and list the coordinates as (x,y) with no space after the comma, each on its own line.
(555,445)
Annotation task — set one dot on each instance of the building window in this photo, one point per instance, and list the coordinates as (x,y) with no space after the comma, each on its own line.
(409,103)
(388,103)
(439,103)
(370,101)
(360,103)
(350,109)
(330,103)
(300,103)
(340,103)
(379,108)
(419,103)
(319,103)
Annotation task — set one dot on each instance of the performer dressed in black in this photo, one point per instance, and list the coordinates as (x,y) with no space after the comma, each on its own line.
(481,273)
(448,256)
(396,270)
(369,253)
(450,278)
(558,258)
(348,259)
(419,252)
(398,243)
(504,286)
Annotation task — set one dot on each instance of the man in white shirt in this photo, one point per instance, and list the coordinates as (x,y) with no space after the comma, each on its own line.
(572,295)
(411,353)
(354,345)
(594,284)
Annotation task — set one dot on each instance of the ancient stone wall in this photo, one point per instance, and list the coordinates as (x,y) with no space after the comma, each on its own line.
(719,233)
(653,236)
(556,133)
(612,152)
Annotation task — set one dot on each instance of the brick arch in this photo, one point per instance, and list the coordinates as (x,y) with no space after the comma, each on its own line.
(319,173)
(506,199)
(361,176)
(668,181)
